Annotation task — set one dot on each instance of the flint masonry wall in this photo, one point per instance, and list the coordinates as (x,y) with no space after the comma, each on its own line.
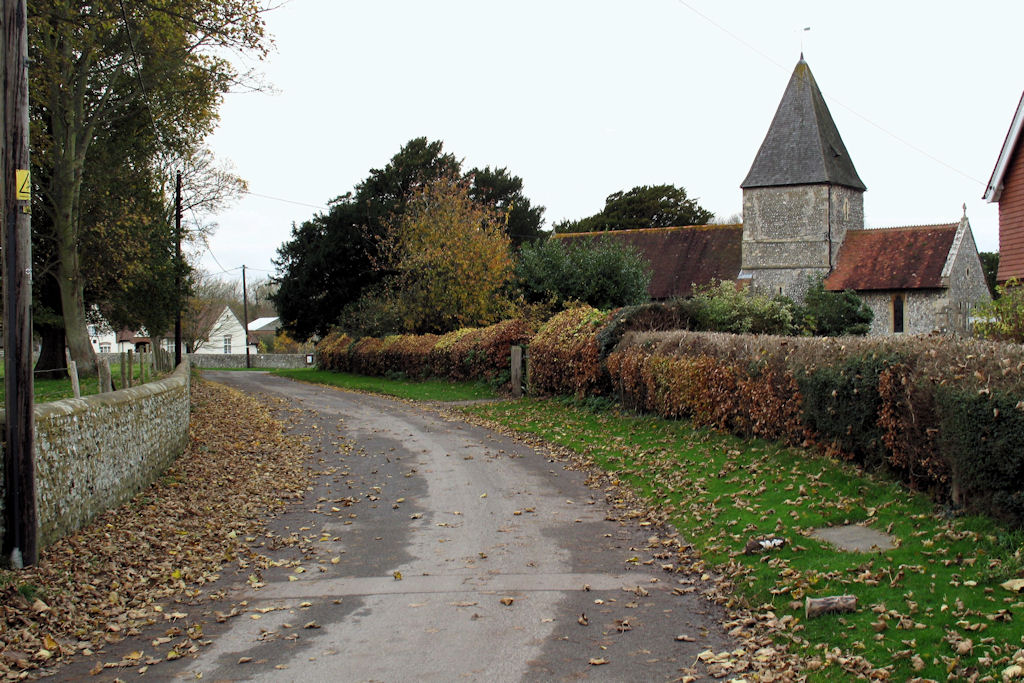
(257,360)
(97,452)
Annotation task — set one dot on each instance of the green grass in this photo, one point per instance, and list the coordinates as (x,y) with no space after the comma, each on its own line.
(427,390)
(47,390)
(938,589)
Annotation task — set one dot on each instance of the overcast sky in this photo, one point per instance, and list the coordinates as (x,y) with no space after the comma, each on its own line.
(582,98)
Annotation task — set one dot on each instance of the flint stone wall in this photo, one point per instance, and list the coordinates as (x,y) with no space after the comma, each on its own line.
(257,360)
(97,452)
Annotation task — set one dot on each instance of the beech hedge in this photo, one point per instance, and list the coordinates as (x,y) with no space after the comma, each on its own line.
(946,415)
(465,354)
(943,414)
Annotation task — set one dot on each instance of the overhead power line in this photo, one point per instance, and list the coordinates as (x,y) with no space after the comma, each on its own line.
(848,108)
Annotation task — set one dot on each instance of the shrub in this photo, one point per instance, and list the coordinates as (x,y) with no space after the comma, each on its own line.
(724,308)
(834,314)
(1002,318)
(602,272)
(564,357)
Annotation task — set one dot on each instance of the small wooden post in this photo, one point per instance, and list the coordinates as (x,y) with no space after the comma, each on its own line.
(73,374)
(517,371)
(131,367)
(124,378)
(103,366)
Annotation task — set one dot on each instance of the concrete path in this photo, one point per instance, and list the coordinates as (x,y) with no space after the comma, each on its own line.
(434,550)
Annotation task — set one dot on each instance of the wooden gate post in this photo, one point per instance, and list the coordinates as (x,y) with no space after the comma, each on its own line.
(517,371)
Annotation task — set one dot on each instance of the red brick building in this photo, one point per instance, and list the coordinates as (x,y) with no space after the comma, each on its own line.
(1006,186)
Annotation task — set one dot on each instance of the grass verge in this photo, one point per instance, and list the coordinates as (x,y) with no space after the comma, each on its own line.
(427,390)
(47,390)
(932,608)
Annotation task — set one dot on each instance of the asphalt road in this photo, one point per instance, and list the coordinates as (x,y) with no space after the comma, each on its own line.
(430,549)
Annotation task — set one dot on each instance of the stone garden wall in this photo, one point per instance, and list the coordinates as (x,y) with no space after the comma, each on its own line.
(256,360)
(97,452)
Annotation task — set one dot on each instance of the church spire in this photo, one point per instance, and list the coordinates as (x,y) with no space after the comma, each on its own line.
(803,145)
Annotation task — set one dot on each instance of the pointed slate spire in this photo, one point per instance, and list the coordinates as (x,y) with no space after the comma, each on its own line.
(803,146)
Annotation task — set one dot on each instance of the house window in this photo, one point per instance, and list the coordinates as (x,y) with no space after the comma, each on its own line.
(227,343)
(104,348)
(898,301)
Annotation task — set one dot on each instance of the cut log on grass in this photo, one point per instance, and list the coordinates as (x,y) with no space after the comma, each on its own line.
(834,603)
(761,545)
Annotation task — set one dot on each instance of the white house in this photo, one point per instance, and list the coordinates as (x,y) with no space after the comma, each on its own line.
(104,339)
(224,335)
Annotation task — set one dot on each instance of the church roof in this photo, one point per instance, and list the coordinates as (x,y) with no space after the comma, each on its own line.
(681,256)
(893,258)
(803,145)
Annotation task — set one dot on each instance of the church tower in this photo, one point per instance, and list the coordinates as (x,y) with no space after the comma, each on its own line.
(801,195)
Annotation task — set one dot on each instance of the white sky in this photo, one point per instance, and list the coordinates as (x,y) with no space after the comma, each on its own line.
(582,98)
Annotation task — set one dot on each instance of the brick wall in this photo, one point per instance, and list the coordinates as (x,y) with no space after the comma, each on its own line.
(97,452)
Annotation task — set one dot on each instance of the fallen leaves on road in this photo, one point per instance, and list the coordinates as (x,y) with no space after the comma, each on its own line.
(106,582)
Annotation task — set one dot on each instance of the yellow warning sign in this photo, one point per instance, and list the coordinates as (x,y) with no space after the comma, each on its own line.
(23,182)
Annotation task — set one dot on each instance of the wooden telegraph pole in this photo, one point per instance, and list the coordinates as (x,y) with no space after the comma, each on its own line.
(245,314)
(20,528)
(177,269)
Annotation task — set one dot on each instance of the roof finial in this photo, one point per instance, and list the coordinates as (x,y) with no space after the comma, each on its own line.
(965,209)
(802,31)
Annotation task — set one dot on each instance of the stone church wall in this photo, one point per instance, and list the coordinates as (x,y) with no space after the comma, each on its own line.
(793,232)
(967,286)
(924,311)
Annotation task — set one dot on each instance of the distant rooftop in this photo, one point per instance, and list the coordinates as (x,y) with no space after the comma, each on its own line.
(268,324)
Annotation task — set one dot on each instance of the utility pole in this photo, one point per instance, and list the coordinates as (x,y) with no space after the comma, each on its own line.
(177,269)
(21,526)
(245,314)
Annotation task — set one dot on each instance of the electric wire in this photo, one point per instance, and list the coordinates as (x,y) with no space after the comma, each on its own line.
(831,98)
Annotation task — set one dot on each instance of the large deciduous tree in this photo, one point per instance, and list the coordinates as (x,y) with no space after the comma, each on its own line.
(143,79)
(448,259)
(644,206)
(332,260)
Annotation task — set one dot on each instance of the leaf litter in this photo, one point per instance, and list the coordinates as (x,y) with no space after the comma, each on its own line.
(149,560)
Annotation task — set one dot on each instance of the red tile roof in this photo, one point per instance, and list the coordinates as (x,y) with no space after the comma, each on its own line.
(682,256)
(893,258)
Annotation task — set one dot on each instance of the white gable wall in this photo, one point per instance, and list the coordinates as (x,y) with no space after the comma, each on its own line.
(226,335)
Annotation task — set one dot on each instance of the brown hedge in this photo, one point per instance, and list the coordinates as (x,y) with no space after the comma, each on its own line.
(898,403)
(466,354)
(564,355)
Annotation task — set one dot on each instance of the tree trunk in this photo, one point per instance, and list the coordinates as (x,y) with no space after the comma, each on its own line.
(52,363)
(72,304)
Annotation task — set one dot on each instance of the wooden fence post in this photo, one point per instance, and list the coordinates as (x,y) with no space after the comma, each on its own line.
(103,368)
(517,371)
(131,367)
(124,380)
(73,374)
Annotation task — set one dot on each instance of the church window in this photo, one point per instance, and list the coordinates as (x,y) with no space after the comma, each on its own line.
(846,208)
(897,313)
